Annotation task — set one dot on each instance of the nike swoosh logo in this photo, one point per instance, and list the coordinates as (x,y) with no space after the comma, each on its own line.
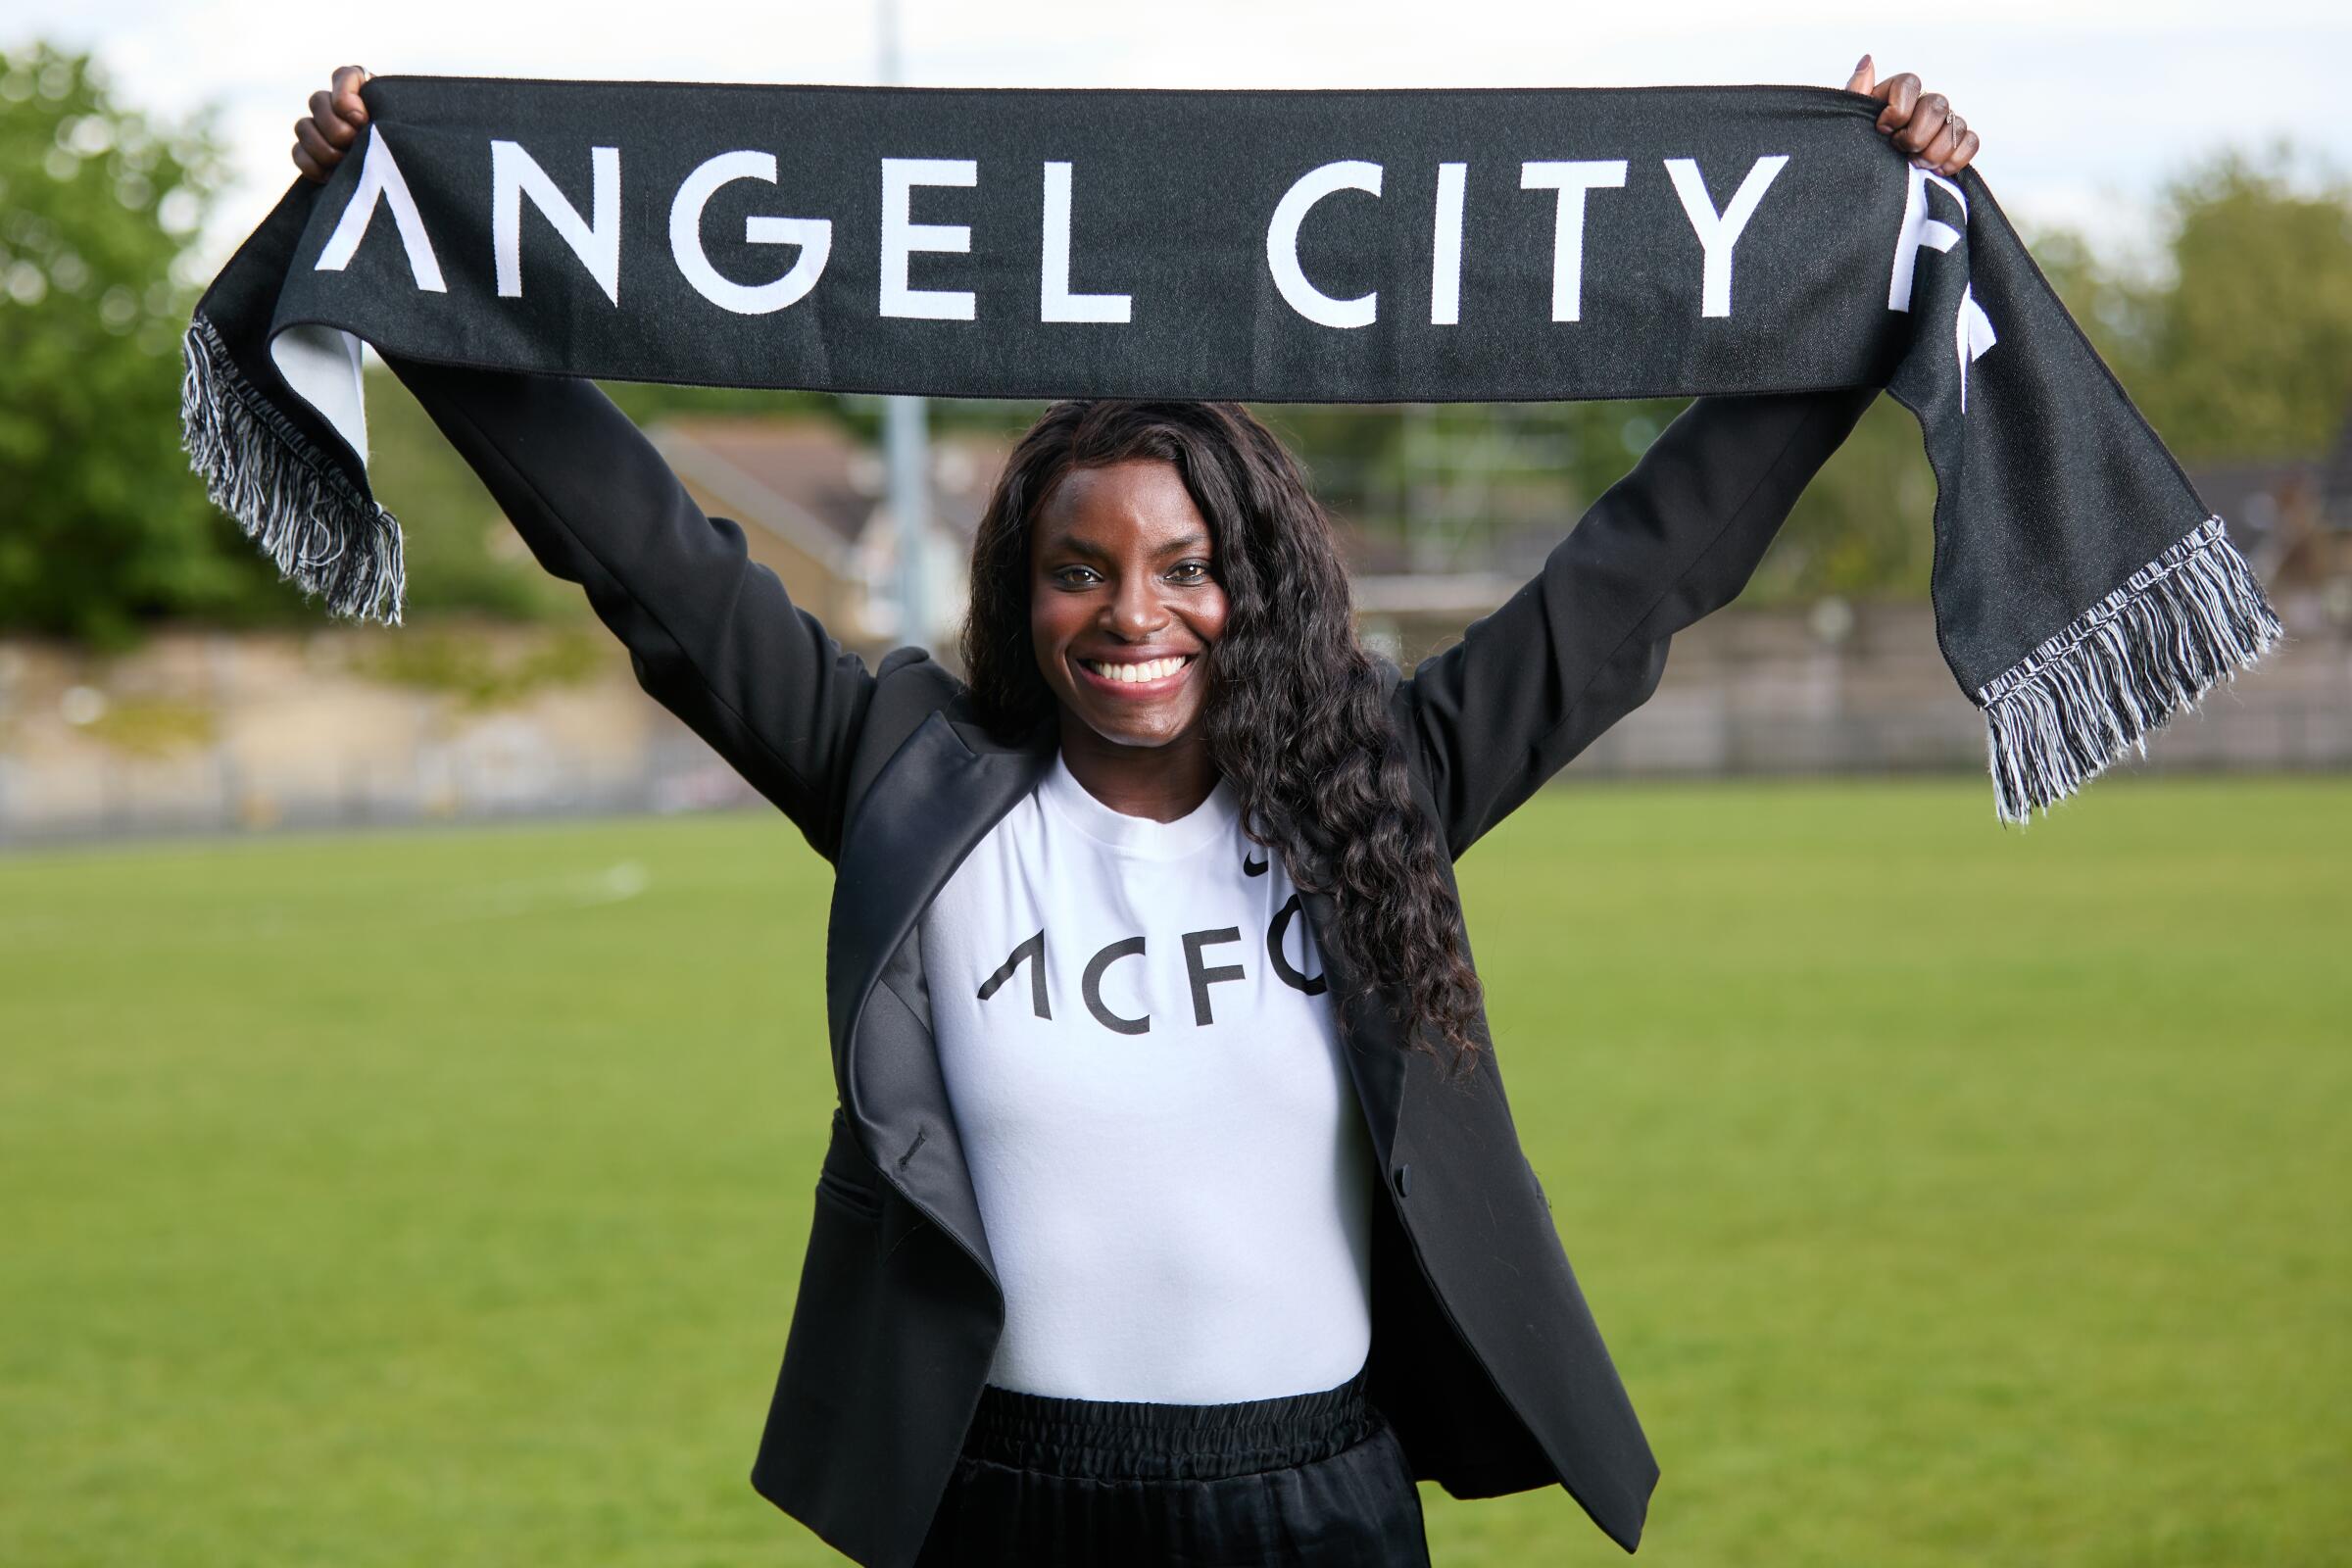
(1251,867)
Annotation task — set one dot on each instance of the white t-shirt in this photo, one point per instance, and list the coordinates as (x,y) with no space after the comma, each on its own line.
(1170,1163)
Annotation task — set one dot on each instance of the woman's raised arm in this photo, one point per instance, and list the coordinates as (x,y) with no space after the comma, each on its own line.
(1584,643)
(711,632)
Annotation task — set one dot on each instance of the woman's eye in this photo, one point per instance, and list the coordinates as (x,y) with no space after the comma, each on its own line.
(1075,576)
(1190,571)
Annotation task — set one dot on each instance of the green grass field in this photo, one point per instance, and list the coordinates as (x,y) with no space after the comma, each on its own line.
(1948,1195)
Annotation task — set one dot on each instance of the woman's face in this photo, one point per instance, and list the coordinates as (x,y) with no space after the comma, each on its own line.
(1124,601)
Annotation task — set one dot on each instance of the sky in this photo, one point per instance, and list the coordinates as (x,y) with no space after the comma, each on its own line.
(2085,108)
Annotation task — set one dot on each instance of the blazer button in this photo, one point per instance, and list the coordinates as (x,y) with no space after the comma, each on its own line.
(1405,1180)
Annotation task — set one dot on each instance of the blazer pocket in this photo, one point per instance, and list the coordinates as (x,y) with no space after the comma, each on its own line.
(848,1195)
(843,1178)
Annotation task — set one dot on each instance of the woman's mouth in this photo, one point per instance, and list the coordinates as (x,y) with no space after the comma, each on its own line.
(1138,677)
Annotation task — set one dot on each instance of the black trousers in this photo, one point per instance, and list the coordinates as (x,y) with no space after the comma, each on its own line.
(1311,1481)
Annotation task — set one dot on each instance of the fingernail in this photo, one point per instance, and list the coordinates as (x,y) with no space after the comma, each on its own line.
(1861,64)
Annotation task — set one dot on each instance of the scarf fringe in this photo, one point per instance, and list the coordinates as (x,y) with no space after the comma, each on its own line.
(2149,649)
(325,534)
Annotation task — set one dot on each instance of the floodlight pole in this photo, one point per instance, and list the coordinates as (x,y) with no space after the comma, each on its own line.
(907,436)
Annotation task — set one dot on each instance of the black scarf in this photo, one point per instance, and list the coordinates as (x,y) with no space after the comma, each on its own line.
(1280,246)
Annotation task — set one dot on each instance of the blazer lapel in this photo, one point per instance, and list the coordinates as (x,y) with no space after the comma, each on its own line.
(932,803)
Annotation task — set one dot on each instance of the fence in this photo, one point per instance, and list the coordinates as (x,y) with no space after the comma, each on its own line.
(266,732)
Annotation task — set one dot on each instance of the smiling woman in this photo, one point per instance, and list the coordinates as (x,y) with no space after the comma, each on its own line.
(1157,582)
(1215,1264)
(1124,605)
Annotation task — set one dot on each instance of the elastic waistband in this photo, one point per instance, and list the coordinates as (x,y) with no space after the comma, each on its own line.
(1117,1440)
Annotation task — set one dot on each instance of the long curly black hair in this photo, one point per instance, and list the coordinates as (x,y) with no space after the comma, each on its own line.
(1294,715)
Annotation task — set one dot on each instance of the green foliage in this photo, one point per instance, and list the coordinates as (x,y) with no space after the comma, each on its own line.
(2248,353)
(462,558)
(108,530)
(153,726)
(650,400)
(106,526)
(2240,348)
(1866,525)
(480,675)
(2111,307)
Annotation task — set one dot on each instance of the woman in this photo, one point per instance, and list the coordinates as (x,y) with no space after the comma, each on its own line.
(1173,1210)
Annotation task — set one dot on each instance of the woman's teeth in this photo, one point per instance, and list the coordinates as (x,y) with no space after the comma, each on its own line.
(1131,674)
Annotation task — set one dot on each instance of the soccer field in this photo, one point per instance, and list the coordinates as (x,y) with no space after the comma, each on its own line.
(1948,1195)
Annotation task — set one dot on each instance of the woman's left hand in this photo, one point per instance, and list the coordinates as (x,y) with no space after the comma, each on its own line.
(1920,124)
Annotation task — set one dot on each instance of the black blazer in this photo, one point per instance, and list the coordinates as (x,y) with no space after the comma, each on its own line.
(1484,1355)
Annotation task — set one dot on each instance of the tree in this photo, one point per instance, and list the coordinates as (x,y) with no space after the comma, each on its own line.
(2248,351)
(2240,346)
(101,523)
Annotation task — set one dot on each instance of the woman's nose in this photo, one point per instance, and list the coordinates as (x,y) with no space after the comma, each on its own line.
(1136,612)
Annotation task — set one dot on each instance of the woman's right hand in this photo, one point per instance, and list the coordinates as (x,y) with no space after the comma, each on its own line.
(333,123)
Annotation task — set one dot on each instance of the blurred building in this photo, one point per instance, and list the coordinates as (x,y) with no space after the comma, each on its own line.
(2292,517)
(811,503)
(2335,500)
(206,729)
